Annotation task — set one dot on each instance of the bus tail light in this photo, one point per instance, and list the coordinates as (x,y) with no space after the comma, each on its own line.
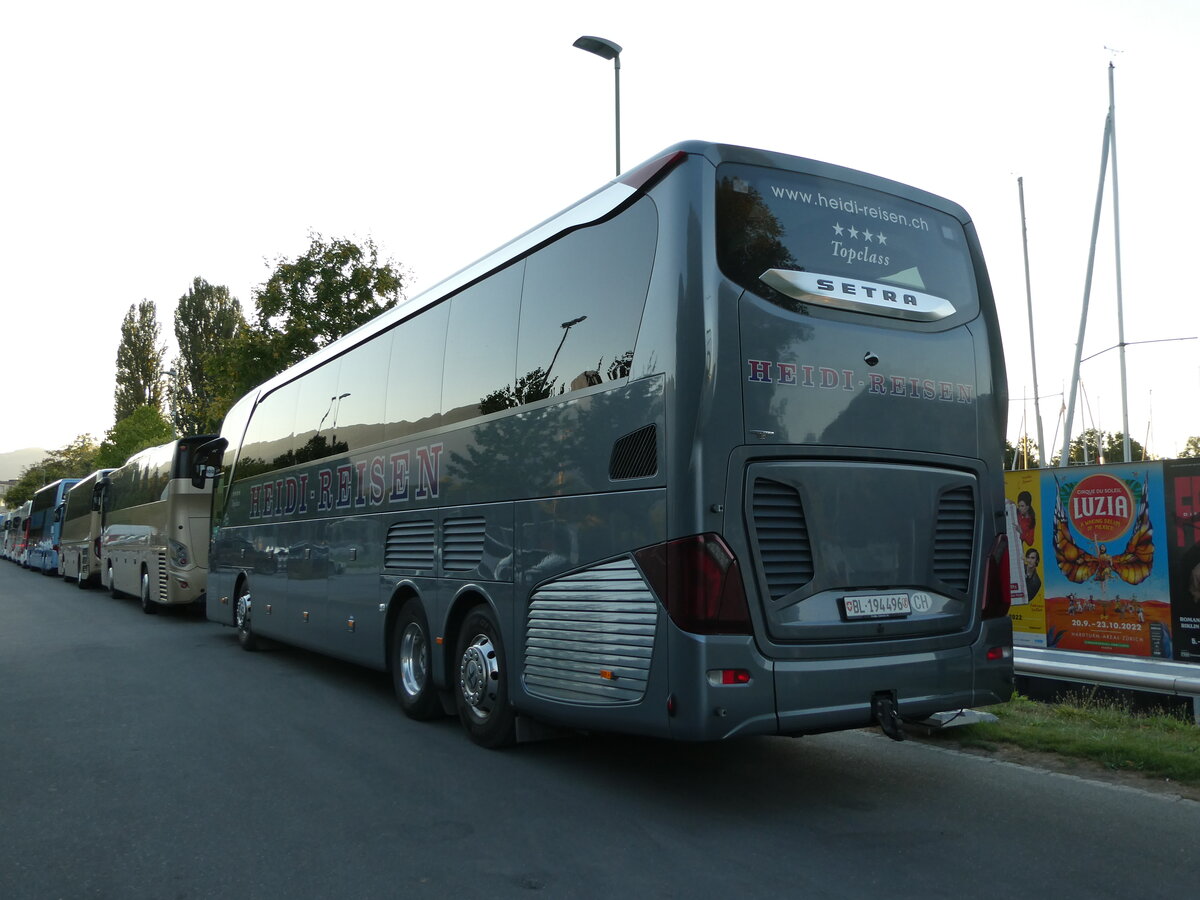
(996,598)
(729,676)
(699,582)
(179,554)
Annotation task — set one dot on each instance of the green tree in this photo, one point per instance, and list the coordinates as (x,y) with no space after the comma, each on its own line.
(1191,449)
(202,388)
(75,460)
(145,427)
(330,290)
(1022,455)
(1086,449)
(139,362)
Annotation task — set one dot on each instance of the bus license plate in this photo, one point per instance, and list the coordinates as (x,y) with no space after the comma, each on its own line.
(877,606)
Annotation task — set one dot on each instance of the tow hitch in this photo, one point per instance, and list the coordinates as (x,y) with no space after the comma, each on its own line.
(883,708)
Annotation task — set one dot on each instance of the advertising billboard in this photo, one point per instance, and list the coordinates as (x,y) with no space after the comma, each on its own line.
(1183,554)
(1022,490)
(1106,579)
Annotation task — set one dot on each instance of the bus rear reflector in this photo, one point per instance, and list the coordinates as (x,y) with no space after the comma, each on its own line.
(698,581)
(996,597)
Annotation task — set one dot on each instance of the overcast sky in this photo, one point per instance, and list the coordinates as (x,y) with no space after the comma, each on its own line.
(145,144)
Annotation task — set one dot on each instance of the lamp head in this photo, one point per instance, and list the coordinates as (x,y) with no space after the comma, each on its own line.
(598,45)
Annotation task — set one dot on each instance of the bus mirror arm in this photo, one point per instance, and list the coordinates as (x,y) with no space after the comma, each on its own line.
(98,493)
(206,454)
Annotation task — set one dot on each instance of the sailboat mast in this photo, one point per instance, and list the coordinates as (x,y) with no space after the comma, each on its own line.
(1112,133)
(1087,296)
(1037,407)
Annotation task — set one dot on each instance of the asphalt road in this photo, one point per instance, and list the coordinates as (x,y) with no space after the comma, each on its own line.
(148,756)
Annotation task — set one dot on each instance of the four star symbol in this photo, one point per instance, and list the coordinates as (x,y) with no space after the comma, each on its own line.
(866,235)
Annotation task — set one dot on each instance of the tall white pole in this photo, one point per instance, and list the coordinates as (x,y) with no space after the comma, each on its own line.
(1112,129)
(1087,294)
(1037,403)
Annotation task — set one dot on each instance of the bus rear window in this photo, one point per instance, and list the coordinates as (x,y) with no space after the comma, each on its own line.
(770,219)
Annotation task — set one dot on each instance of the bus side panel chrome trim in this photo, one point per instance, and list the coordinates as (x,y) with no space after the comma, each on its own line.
(590,636)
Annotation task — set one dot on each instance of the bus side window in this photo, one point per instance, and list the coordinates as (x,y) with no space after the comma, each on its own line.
(414,379)
(582,302)
(479,375)
(362,392)
(269,436)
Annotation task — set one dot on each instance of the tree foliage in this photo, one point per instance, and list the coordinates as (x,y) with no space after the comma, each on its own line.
(330,290)
(1086,449)
(1191,449)
(139,362)
(208,320)
(1022,455)
(75,460)
(145,427)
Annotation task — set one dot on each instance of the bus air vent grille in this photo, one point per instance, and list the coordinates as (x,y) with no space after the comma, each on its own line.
(635,455)
(590,636)
(409,546)
(462,543)
(164,585)
(954,537)
(781,533)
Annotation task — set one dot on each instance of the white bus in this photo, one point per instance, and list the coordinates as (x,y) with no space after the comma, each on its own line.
(79,553)
(716,451)
(154,539)
(14,531)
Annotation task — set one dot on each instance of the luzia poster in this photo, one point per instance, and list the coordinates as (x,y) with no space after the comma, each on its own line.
(1106,581)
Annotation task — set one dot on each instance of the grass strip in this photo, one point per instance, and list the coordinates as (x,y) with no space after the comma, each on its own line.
(1157,743)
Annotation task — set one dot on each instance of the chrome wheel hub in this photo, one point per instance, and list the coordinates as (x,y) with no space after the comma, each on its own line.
(414,664)
(241,611)
(479,676)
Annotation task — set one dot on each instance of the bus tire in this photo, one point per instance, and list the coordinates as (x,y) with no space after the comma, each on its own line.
(81,579)
(412,674)
(481,687)
(149,607)
(247,640)
(111,581)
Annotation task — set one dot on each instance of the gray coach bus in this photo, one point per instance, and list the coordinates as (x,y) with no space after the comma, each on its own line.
(716,451)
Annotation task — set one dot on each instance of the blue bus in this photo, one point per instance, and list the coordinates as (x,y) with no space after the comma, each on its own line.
(45,525)
(716,451)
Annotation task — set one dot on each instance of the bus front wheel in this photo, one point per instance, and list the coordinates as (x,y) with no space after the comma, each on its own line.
(241,616)
(412,675)
(481,693)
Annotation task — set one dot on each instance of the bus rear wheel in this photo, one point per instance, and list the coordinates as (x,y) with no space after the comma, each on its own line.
(412,674)
(81,579)
(481,693)
(149,607)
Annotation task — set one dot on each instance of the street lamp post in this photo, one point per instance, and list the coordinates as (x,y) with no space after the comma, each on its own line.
(608,50)
(566,327)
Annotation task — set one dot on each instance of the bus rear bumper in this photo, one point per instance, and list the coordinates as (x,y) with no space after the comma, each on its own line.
(810,696)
